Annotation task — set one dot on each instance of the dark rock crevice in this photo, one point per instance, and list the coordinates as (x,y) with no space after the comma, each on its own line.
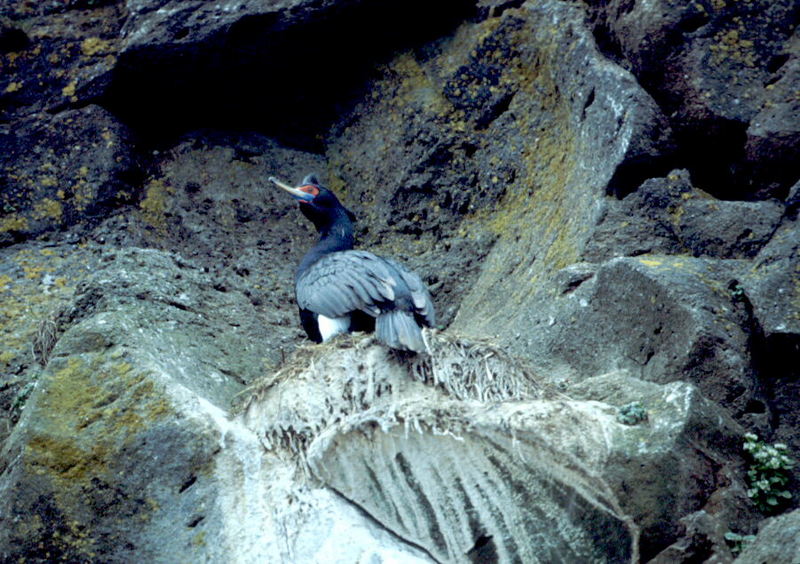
(12,38)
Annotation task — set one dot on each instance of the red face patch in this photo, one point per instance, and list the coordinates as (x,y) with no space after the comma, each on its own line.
(310,189)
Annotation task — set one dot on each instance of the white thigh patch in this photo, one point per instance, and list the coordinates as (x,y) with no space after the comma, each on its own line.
(332,326)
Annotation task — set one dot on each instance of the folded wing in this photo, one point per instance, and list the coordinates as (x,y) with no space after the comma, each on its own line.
(348,281)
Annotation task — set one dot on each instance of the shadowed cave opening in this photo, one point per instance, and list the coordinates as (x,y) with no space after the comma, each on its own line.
(289,82)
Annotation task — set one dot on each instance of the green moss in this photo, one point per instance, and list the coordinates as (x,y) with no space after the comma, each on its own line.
(64,459)
(90,408)
(91,389)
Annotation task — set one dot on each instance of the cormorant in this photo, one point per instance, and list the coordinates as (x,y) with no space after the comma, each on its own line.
(339,289)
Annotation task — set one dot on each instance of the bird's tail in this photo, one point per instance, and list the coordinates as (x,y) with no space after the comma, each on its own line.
(399,330)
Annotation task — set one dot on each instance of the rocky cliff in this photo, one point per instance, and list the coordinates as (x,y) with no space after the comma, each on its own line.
(602,196)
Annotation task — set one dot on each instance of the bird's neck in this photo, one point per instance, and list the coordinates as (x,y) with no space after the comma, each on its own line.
(338,236)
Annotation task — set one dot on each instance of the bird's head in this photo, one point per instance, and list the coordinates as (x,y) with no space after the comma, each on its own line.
(317,203)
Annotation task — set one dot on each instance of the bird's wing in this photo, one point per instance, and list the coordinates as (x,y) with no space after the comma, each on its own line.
(347,281)
(423,305)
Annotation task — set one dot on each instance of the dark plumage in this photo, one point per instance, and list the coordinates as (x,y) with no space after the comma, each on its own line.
(339,289)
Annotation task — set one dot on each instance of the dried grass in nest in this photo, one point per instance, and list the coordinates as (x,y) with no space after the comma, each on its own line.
(475,370)
(303,359)
(45,339)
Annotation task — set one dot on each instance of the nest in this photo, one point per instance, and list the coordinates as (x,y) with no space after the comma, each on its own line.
(352,380)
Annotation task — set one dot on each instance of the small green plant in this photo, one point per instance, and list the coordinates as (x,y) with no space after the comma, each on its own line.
(631,414)
(737,291)
(768,474)
(737,542)
(22,396)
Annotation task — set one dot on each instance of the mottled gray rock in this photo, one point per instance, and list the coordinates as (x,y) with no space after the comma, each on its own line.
(778,541)
(113,429)
(166,23)
(486,148)
(665,318)
(37,280)
(773,283)
(710,65)
(668,215)
(210,202)
(772,149)
(512,131)
(63,170)
(714,453)
(173,300)
(56,55)
(772,286)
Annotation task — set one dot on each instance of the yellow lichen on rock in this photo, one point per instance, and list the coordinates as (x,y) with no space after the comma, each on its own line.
(95,46)
(48,181)
(89,407)
(6,357)
(48,209)
(730,44)
(155,204)
(13,222)
(69,90)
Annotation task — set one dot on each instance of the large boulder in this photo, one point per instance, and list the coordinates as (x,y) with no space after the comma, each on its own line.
(282,67)
(128,425)
(665,318)
(772,149)
(37,280)
(772,286)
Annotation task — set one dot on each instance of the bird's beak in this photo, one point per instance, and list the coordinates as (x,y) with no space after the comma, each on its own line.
(296,194)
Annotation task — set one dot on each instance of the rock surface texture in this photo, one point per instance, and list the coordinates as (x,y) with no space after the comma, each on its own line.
(602,196)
